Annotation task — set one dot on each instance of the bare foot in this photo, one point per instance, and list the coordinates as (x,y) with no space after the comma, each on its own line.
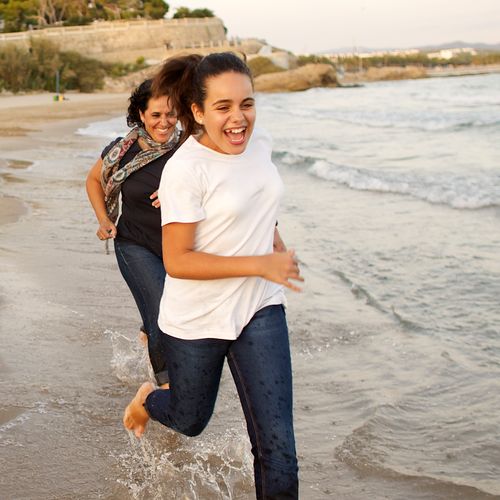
(143,338)
(135,417)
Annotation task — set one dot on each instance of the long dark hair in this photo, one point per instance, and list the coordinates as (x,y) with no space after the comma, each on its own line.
(184,80)
(139,102)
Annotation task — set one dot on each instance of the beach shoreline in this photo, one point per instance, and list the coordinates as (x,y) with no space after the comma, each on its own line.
(35,112)
(32,117)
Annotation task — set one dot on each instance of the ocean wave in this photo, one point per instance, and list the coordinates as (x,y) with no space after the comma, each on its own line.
(456,191)
(362,293)
(293,159)
(115,127)
(425,123)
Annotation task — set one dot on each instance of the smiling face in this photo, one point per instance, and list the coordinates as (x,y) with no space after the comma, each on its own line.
(228,114)
(159,119)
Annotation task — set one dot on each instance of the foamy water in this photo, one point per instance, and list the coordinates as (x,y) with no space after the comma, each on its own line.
(393,205)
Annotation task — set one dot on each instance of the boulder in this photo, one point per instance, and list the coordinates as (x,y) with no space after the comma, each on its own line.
(303,78)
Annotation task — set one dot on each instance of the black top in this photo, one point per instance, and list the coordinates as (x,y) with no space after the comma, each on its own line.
(139,221)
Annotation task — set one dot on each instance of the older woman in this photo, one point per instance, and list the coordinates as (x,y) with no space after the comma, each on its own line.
(132,166)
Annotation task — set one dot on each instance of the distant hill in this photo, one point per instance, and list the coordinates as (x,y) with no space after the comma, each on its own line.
(462,45)
(424,48)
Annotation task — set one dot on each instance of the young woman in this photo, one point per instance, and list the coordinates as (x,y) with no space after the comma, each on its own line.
(133,165)
(223,296)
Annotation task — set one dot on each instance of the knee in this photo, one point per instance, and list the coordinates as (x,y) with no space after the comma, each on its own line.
(192,429)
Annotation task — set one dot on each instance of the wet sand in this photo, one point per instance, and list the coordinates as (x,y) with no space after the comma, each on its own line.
(10,210)
(59,415)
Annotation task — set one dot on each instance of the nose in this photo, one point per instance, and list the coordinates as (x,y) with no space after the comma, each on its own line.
(237,115)
(166,120)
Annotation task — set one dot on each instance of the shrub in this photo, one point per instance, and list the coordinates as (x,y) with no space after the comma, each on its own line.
(312,59)
(14,68)
(261,65)
(35,68)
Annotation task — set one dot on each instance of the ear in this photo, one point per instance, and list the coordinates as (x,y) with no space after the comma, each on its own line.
(197,113)
(141,114)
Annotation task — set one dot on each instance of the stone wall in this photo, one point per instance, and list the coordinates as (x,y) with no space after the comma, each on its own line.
(113,40)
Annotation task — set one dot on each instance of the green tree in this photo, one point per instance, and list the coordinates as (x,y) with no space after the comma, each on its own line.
(155,9)
(18,15)
(183,12)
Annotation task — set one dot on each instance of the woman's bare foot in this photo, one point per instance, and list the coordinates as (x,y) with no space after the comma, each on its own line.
(135,417)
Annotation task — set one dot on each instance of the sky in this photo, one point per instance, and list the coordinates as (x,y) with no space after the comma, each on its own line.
(321,25)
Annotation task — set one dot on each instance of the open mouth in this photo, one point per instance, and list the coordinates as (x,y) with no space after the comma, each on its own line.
(163,130)
(236,136)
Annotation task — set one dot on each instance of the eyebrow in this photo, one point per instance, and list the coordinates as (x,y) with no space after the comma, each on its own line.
(229,101)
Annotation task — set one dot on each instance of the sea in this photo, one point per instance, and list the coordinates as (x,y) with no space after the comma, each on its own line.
(392,204)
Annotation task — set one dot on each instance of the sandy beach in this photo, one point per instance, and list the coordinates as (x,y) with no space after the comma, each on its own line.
(20,114)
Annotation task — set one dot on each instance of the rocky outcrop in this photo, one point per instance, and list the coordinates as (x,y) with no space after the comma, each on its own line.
(303,78)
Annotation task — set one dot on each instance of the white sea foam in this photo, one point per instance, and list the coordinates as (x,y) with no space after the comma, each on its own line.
(115,127)
(39,408)
(457,191)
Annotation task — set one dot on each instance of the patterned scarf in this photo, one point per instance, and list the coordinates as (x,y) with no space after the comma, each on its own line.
(112,176)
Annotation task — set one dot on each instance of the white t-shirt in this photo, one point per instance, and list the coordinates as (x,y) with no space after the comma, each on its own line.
(234,199)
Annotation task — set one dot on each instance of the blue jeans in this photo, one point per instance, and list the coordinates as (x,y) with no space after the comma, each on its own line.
(144,273)
(261,368)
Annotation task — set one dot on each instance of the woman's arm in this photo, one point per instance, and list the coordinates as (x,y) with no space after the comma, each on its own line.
(96,196)
(181,261)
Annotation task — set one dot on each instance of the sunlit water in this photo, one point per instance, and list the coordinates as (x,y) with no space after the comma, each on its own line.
(393,205)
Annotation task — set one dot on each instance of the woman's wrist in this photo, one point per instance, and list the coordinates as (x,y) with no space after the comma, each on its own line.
(103,219)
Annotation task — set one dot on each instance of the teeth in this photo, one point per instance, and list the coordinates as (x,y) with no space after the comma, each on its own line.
(236,130)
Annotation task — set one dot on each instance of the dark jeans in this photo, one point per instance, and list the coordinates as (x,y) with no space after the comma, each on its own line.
(260,365)
(144,273)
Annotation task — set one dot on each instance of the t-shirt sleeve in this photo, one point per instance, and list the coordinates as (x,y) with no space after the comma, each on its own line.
(106,150)
(180,194)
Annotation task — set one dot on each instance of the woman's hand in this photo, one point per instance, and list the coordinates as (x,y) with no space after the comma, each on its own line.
(278,243)
(281,267)
(106,229)
(156,201)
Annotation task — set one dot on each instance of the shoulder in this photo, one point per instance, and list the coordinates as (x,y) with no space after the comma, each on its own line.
(182,165)
(189,150)
(107,149)
(188,157)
